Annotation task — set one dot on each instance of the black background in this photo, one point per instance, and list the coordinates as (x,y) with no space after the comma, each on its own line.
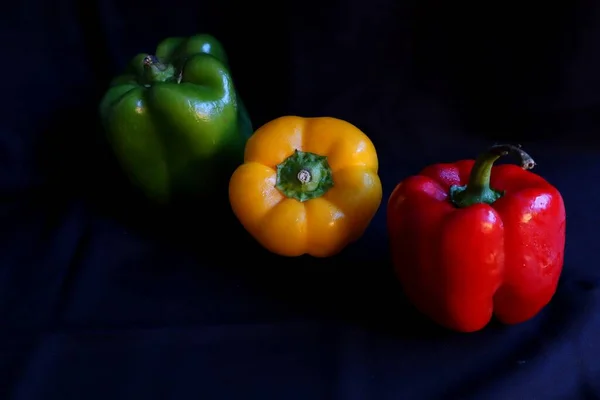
(103,298)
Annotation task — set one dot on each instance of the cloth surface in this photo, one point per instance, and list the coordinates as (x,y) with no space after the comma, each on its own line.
(101,298)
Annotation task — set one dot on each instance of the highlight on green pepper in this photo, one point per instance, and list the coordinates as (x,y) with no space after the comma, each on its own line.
(174,120)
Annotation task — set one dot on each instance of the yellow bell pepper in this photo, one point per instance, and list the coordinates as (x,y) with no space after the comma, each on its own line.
(307,185)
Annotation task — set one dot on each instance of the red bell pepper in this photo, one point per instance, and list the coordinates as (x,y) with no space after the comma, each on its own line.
(470,240)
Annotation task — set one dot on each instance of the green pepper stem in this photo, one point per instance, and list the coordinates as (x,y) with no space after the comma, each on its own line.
(478,189)
(156,71)
(304,176)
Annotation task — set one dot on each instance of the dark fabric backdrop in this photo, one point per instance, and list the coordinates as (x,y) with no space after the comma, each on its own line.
(102,298)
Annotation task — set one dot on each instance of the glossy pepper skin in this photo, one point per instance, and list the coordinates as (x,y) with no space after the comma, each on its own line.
(470,240)
(175,121)
(307,186)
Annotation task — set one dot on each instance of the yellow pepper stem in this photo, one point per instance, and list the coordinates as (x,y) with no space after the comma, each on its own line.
(304,176)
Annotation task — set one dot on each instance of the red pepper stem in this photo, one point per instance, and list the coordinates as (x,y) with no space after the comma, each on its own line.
(478,189)
(156,71)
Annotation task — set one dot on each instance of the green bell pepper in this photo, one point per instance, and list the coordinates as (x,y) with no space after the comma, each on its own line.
(175,121)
